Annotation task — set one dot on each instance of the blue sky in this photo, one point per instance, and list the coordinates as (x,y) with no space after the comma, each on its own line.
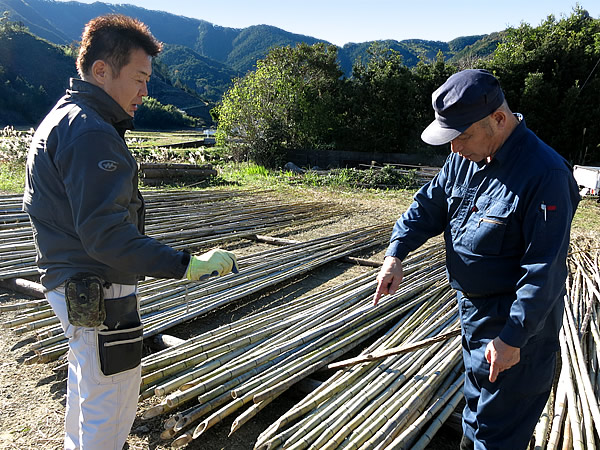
(343,21)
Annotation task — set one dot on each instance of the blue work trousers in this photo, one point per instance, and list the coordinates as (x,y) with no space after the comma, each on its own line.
(503,414)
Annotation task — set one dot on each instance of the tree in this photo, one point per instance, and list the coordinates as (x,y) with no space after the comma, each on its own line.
(287,103)
(429,76)
(380,104)
(154,115)
(550,74)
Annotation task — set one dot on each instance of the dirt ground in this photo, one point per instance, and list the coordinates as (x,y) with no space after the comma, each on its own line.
(32,397)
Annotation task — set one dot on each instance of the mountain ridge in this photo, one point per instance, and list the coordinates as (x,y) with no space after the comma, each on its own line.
(200,58)
(63,22)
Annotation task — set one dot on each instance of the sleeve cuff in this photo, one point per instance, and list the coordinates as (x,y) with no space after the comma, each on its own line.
(514,336)
(397,249)
(185,261)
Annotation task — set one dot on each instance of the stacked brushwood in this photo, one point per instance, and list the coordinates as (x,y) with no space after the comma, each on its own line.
(422,174)
(167,303)
(192,220)
(155,174)
(250,362)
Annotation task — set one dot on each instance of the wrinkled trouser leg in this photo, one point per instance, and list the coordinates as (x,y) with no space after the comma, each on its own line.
(501,415)
(100,409)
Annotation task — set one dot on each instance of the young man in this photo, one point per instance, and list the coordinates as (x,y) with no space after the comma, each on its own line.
(504,201)
(88,221)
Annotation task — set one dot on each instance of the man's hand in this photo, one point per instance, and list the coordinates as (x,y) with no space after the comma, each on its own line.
(389,278)
(501,357)
(212,263)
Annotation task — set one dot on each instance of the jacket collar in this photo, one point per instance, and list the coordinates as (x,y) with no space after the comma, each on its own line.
(95,98)
(509,146)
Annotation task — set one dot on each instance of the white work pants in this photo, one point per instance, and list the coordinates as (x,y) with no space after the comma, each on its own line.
(100,409)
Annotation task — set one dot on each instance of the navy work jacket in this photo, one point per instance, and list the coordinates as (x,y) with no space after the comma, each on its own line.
(506,226)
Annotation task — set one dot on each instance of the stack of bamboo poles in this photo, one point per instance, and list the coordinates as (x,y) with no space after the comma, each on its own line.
(166,303)
(249,363)
(154,174)
(181,219)
(383,404)
(17,253)
(571,419)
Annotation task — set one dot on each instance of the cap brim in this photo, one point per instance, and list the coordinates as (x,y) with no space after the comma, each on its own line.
(434,134)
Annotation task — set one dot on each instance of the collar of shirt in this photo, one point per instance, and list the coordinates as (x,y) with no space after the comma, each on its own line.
(506,151)
(101,102)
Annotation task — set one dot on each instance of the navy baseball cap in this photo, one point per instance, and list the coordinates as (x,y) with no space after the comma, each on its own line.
(465,98)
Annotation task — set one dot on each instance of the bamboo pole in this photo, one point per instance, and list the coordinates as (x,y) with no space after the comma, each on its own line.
(448,401)
(574,421)
(394,351)
(559,412)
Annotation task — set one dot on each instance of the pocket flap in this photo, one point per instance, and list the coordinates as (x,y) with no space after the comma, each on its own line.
(494,208)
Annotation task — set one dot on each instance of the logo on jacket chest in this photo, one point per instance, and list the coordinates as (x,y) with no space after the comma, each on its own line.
(108,165)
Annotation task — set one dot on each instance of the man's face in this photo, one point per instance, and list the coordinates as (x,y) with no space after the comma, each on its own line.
(476,143)
(129,87)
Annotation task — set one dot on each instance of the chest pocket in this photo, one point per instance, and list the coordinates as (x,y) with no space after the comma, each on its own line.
(490,223)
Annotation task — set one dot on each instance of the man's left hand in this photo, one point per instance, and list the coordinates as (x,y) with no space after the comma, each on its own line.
(501,357)
(212,263)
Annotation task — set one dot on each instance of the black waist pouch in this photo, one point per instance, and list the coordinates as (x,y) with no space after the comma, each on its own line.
(121,336)
(84,296)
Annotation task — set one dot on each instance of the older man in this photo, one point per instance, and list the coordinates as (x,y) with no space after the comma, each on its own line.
(504,201)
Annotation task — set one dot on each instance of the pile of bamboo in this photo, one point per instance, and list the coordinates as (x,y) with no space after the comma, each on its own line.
(182,219)
(154,174)
(250,362)
(166,303)
(571,419)
(422,174)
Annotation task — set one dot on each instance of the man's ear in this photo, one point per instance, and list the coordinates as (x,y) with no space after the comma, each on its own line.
(99,72)
(499,118)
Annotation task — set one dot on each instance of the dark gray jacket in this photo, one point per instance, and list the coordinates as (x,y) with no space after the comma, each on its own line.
(82,196)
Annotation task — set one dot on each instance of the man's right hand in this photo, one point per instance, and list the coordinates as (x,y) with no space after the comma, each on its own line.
(389,278)
(212,263)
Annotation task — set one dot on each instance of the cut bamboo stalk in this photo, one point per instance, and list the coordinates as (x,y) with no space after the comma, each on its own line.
(574,421)
(23,286)
(448,400)
(422,443)
(559,411)
(587,396)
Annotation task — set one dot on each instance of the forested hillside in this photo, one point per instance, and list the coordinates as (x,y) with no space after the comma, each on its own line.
(33,74)
(550,74)
(366,96)
(218,51)
(62,23)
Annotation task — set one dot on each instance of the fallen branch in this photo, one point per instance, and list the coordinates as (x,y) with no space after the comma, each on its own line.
(369,357)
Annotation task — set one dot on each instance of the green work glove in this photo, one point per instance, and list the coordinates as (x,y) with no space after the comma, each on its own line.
(212,263)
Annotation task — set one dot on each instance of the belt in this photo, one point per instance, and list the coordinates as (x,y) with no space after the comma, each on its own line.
(471,295)
(114,290)
(491,294)
(119,290)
